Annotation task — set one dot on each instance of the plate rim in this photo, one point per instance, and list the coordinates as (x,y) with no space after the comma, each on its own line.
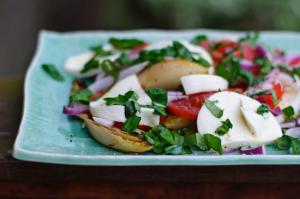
(139,160)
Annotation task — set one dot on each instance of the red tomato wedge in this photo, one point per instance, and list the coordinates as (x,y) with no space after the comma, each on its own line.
(269,99)
(189,108)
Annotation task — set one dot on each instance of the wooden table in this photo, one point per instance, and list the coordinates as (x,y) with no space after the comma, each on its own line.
(33,180)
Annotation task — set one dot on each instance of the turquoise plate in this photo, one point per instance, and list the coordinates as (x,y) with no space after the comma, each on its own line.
(46,135)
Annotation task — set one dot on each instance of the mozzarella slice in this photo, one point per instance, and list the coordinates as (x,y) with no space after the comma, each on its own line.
(203,83)
(103,122)
(249,128)
(130,83)
(148,118)
(114,112)
(75,64)
(117,112)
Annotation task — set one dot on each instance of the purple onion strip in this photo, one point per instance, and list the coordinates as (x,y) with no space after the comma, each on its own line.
(75,110)
(106,82)
(253,151)
(293,132)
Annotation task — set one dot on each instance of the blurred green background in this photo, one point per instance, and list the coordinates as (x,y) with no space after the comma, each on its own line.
(20,20)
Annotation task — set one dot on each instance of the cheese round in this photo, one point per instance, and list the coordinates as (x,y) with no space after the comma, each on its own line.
(249,128)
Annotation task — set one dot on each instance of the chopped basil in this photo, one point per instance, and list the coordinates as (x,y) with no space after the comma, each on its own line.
(82,96)
(131,107)
(131,123)
(262,109)
(99,51)
(176,50)
(110,69)
(283,143)
(231,70)
(204,142)
(213,142)
(159,100)
(251,38)
(265,65)
(90,65)
(215,110)
(121,99)
(51,70)
(295,146)
(198,39)
(224,128)
(180,141)
(288,143)
(297,71)
(288,112)
(125,44)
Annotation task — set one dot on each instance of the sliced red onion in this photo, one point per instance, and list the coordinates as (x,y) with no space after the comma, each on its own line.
(276,111)
(175,95)
(101,84)
(288,125)
(229,150)
(104,122)
(99,77)
(253,151)
(298,121)
(106,82)
(75,110)
(293,132)
(261,51)
(246,64)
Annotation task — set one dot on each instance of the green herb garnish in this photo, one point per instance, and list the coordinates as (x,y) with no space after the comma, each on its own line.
(99,51)
(198,39)
(125,44)
(215,110)
(90,65)
(131,123)
(288,112)
(82,96)
(204,142)
(262,109)
(51,70)
(283,143)
(121,99)
(251,38)
(159,100)
(295,146)
(176,50)
(288,143)
(224,128)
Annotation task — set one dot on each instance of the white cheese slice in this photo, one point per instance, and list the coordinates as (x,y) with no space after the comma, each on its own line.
(117,112)
(75,63)
(148,118)
(247,129)
(203,83)
(114,112)
(130,83)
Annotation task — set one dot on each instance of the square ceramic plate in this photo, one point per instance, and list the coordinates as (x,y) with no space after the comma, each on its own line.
(46,135)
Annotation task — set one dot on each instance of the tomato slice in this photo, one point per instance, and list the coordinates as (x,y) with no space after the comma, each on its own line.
(269,99)
(189,108)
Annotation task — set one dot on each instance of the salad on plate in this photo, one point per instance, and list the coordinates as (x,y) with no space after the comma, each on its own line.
(180,96)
